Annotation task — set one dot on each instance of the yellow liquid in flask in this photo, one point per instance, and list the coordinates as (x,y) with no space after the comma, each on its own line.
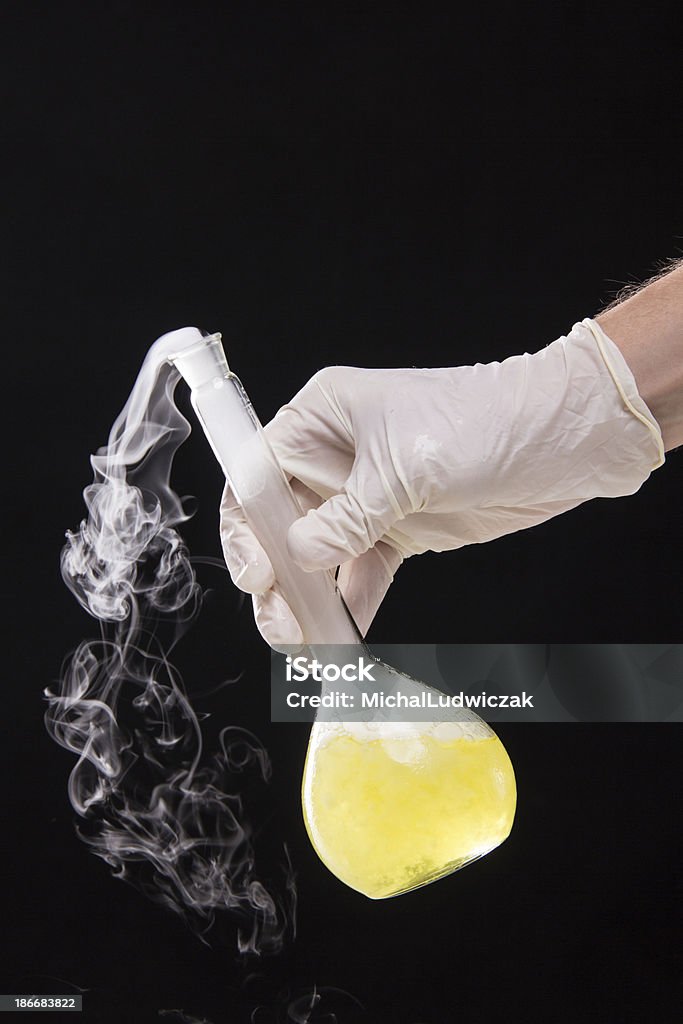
(388,810)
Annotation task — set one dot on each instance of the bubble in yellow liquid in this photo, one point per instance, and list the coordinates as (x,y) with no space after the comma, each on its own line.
(389,809)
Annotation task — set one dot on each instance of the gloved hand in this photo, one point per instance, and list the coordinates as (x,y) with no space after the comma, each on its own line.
(392,463)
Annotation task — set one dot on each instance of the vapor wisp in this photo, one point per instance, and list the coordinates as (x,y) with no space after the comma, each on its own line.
(163,817)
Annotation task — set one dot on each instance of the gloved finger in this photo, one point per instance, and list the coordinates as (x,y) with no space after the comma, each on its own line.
(247,562)
(346,525)
(365,580)
(276,622)
(306,497)
(311,438)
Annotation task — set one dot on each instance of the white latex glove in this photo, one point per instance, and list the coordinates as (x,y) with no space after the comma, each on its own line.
(392,463)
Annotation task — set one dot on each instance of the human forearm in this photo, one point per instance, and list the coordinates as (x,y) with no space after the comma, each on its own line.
(647,327)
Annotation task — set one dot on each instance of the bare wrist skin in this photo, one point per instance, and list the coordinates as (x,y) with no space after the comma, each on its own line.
(647,327)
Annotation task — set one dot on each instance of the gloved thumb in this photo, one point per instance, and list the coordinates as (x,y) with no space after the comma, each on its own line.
(343,527)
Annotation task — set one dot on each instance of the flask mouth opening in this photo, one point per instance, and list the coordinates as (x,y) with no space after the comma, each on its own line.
(195,345)
(198,355)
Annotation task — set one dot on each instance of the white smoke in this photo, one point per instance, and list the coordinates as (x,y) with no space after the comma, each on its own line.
(161,818)
(312,1006)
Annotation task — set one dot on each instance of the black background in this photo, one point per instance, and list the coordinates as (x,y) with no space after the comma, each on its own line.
(371,185)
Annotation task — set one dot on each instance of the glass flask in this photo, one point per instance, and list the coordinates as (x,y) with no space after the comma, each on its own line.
(388,805)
